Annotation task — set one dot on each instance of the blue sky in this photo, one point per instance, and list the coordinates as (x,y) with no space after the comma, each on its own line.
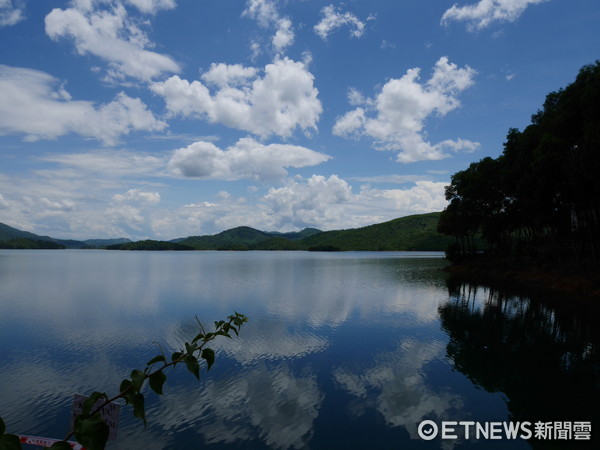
(168,118)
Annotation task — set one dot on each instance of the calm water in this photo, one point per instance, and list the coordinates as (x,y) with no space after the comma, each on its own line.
(343,350)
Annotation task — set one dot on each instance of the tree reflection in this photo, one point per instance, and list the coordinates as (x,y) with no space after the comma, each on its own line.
(541,354)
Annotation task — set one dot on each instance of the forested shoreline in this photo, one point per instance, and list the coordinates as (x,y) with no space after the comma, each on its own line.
(538,203)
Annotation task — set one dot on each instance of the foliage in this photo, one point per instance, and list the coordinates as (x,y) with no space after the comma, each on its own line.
(27,243)
(149,245)
(539,199)
(90,430)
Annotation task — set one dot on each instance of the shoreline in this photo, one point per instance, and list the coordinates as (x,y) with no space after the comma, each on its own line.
(554,280)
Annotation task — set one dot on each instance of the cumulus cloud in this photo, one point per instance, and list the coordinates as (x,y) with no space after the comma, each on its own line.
(318,201)
(32,103)
(329,203)
(11,12)
(246,159)
(266,14)
(284,37)
(396,117)
(482,14)
(3,202)
(333,19)
(263,11)
(113,36)
(277,103)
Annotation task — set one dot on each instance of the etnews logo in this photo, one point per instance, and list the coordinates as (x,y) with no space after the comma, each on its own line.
(428,430)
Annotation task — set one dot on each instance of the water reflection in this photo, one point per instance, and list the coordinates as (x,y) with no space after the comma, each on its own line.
(269,403)
(396,385)
(542,354)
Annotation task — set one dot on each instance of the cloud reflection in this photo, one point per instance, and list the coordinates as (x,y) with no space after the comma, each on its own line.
(271,404)
(396,386)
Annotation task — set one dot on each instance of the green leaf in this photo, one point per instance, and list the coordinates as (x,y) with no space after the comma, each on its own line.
(190,349)
(156,381)
(138,407)
(2,426)
(137,379)
(92,432)
(193,366)
(176,356)
(156,359)
(91,401)
(9,442)
(125,385)
(209,355)
(62,445)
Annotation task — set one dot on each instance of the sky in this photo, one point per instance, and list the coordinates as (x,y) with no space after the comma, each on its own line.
(168,118)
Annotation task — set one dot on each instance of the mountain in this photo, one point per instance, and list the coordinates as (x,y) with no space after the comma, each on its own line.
(239,238)
(14,238)
(100,243)
(418,232)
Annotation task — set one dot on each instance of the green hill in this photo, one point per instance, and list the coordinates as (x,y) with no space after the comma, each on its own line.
(418,232)
(9,233)
(149,244)
(239,238)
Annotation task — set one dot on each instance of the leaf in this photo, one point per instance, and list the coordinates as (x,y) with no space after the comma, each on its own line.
(193,365)
(137,379)
(92,432)
(2,426)
(209,355)
(198,337)
(9,442)
(156,359)
(61,445)
(137,401)
(190,349)
(176,356)
(91,401)
(157,380)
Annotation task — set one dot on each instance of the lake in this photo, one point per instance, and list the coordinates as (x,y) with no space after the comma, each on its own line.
(345,350)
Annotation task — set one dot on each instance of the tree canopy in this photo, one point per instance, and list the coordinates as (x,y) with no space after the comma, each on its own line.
(541,197)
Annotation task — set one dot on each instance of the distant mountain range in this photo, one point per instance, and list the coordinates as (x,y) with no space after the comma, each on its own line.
(417,232)
(13,238)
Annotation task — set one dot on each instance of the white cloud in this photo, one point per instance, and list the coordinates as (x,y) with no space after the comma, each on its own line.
(112,36)
(11,12)
(3,202)
(320,201)
(266,14)
(401,109)
(333,19)
(247,159)
(281,101)
(329,203)
(263,11)
(31,104)
(61,205)
(111,163)
(480,15)
(135,195)
(152,6)
(284,37)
